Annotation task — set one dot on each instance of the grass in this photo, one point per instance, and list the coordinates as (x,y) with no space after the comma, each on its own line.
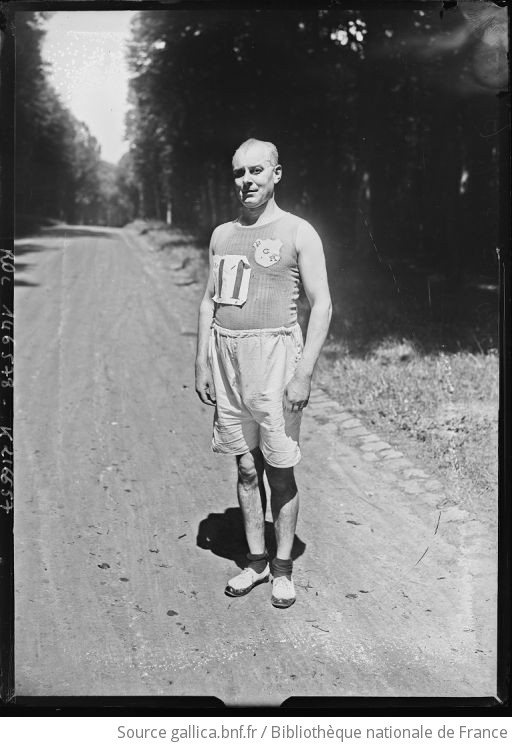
(439,408)
(182,250)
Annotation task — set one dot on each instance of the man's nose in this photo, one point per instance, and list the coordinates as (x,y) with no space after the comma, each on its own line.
(247,178)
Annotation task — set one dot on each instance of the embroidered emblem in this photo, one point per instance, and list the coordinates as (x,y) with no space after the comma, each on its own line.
(267,251)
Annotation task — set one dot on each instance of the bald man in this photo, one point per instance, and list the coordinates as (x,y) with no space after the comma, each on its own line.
(252,364)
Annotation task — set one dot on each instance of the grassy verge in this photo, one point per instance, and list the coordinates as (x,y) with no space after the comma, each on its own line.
(440,408)
(180,250)
(436,406)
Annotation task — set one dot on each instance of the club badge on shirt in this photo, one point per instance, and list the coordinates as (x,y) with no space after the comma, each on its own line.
(267,251)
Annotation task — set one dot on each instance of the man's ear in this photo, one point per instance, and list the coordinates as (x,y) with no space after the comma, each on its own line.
(278,172)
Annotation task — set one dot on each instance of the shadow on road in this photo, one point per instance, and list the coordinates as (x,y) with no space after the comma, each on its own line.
(223,534)
(26,283)
(77,231)
(21,267)
(21,249)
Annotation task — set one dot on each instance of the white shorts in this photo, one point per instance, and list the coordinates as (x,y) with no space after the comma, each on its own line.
(250,371)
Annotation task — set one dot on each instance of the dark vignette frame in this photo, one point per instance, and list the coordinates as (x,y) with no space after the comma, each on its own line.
(159,706)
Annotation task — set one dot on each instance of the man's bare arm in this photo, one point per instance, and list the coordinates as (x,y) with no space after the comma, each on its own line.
(204,380)
(314,279)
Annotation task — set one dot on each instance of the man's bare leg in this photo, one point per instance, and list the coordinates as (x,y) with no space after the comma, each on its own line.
(252,498)
(284,501)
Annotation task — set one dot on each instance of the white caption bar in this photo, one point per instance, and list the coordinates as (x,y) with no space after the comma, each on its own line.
(275,731)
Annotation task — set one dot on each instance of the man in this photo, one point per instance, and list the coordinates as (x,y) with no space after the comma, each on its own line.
(251,363)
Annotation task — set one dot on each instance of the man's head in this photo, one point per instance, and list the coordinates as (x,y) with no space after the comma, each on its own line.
(256,171)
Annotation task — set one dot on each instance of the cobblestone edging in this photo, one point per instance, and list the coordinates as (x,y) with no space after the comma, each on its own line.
(375,450)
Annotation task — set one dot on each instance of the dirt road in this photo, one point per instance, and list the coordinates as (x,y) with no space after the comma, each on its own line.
(127,526)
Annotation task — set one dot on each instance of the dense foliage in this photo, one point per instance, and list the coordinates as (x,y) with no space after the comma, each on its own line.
(385,121)
(59,171)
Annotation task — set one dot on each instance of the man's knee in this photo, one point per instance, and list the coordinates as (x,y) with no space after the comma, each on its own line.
(282,481)
(247,470)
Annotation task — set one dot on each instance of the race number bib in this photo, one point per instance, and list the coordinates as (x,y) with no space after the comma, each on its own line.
(231,274)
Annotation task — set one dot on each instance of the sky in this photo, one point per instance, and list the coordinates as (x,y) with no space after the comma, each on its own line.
(86,52)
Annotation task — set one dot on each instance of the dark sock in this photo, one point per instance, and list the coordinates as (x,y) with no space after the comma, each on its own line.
(257,562)
(282,567)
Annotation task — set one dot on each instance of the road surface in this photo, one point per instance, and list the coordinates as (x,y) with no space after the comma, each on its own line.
(127,526)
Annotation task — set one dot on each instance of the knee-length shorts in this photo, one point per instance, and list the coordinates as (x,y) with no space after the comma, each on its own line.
(251,369)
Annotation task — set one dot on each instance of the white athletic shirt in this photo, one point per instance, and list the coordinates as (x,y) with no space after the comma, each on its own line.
(256,274)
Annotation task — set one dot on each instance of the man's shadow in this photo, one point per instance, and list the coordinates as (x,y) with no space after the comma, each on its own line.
(223,534)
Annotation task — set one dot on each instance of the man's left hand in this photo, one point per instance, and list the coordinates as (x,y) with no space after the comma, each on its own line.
(296,393)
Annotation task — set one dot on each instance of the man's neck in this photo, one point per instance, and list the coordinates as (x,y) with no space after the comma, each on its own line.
(260,215)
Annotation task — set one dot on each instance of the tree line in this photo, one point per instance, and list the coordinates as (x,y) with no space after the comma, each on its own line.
(59,170)
(385,123)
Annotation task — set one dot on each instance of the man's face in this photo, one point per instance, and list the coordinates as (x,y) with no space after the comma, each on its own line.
(255,177)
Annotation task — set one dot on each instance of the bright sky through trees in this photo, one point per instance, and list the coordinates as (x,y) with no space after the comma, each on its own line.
(86,52)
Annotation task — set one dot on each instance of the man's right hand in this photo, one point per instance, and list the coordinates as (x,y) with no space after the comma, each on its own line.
(204,385)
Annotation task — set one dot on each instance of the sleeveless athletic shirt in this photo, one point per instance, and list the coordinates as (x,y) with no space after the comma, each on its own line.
(256,274)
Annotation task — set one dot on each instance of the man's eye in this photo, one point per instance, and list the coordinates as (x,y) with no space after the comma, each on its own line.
(238,174)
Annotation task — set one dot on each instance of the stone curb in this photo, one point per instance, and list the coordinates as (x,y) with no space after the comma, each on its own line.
(375,450)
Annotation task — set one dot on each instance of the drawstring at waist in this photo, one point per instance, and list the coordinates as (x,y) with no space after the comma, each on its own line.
(265,332)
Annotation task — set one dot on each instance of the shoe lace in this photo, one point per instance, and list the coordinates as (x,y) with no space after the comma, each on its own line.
(282,584)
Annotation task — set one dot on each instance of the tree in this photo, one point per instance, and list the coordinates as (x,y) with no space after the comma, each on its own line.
(44,130)
(59,172)
(383,119)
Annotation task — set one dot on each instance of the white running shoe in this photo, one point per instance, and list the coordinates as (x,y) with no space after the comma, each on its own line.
(283,592)
(245,581)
